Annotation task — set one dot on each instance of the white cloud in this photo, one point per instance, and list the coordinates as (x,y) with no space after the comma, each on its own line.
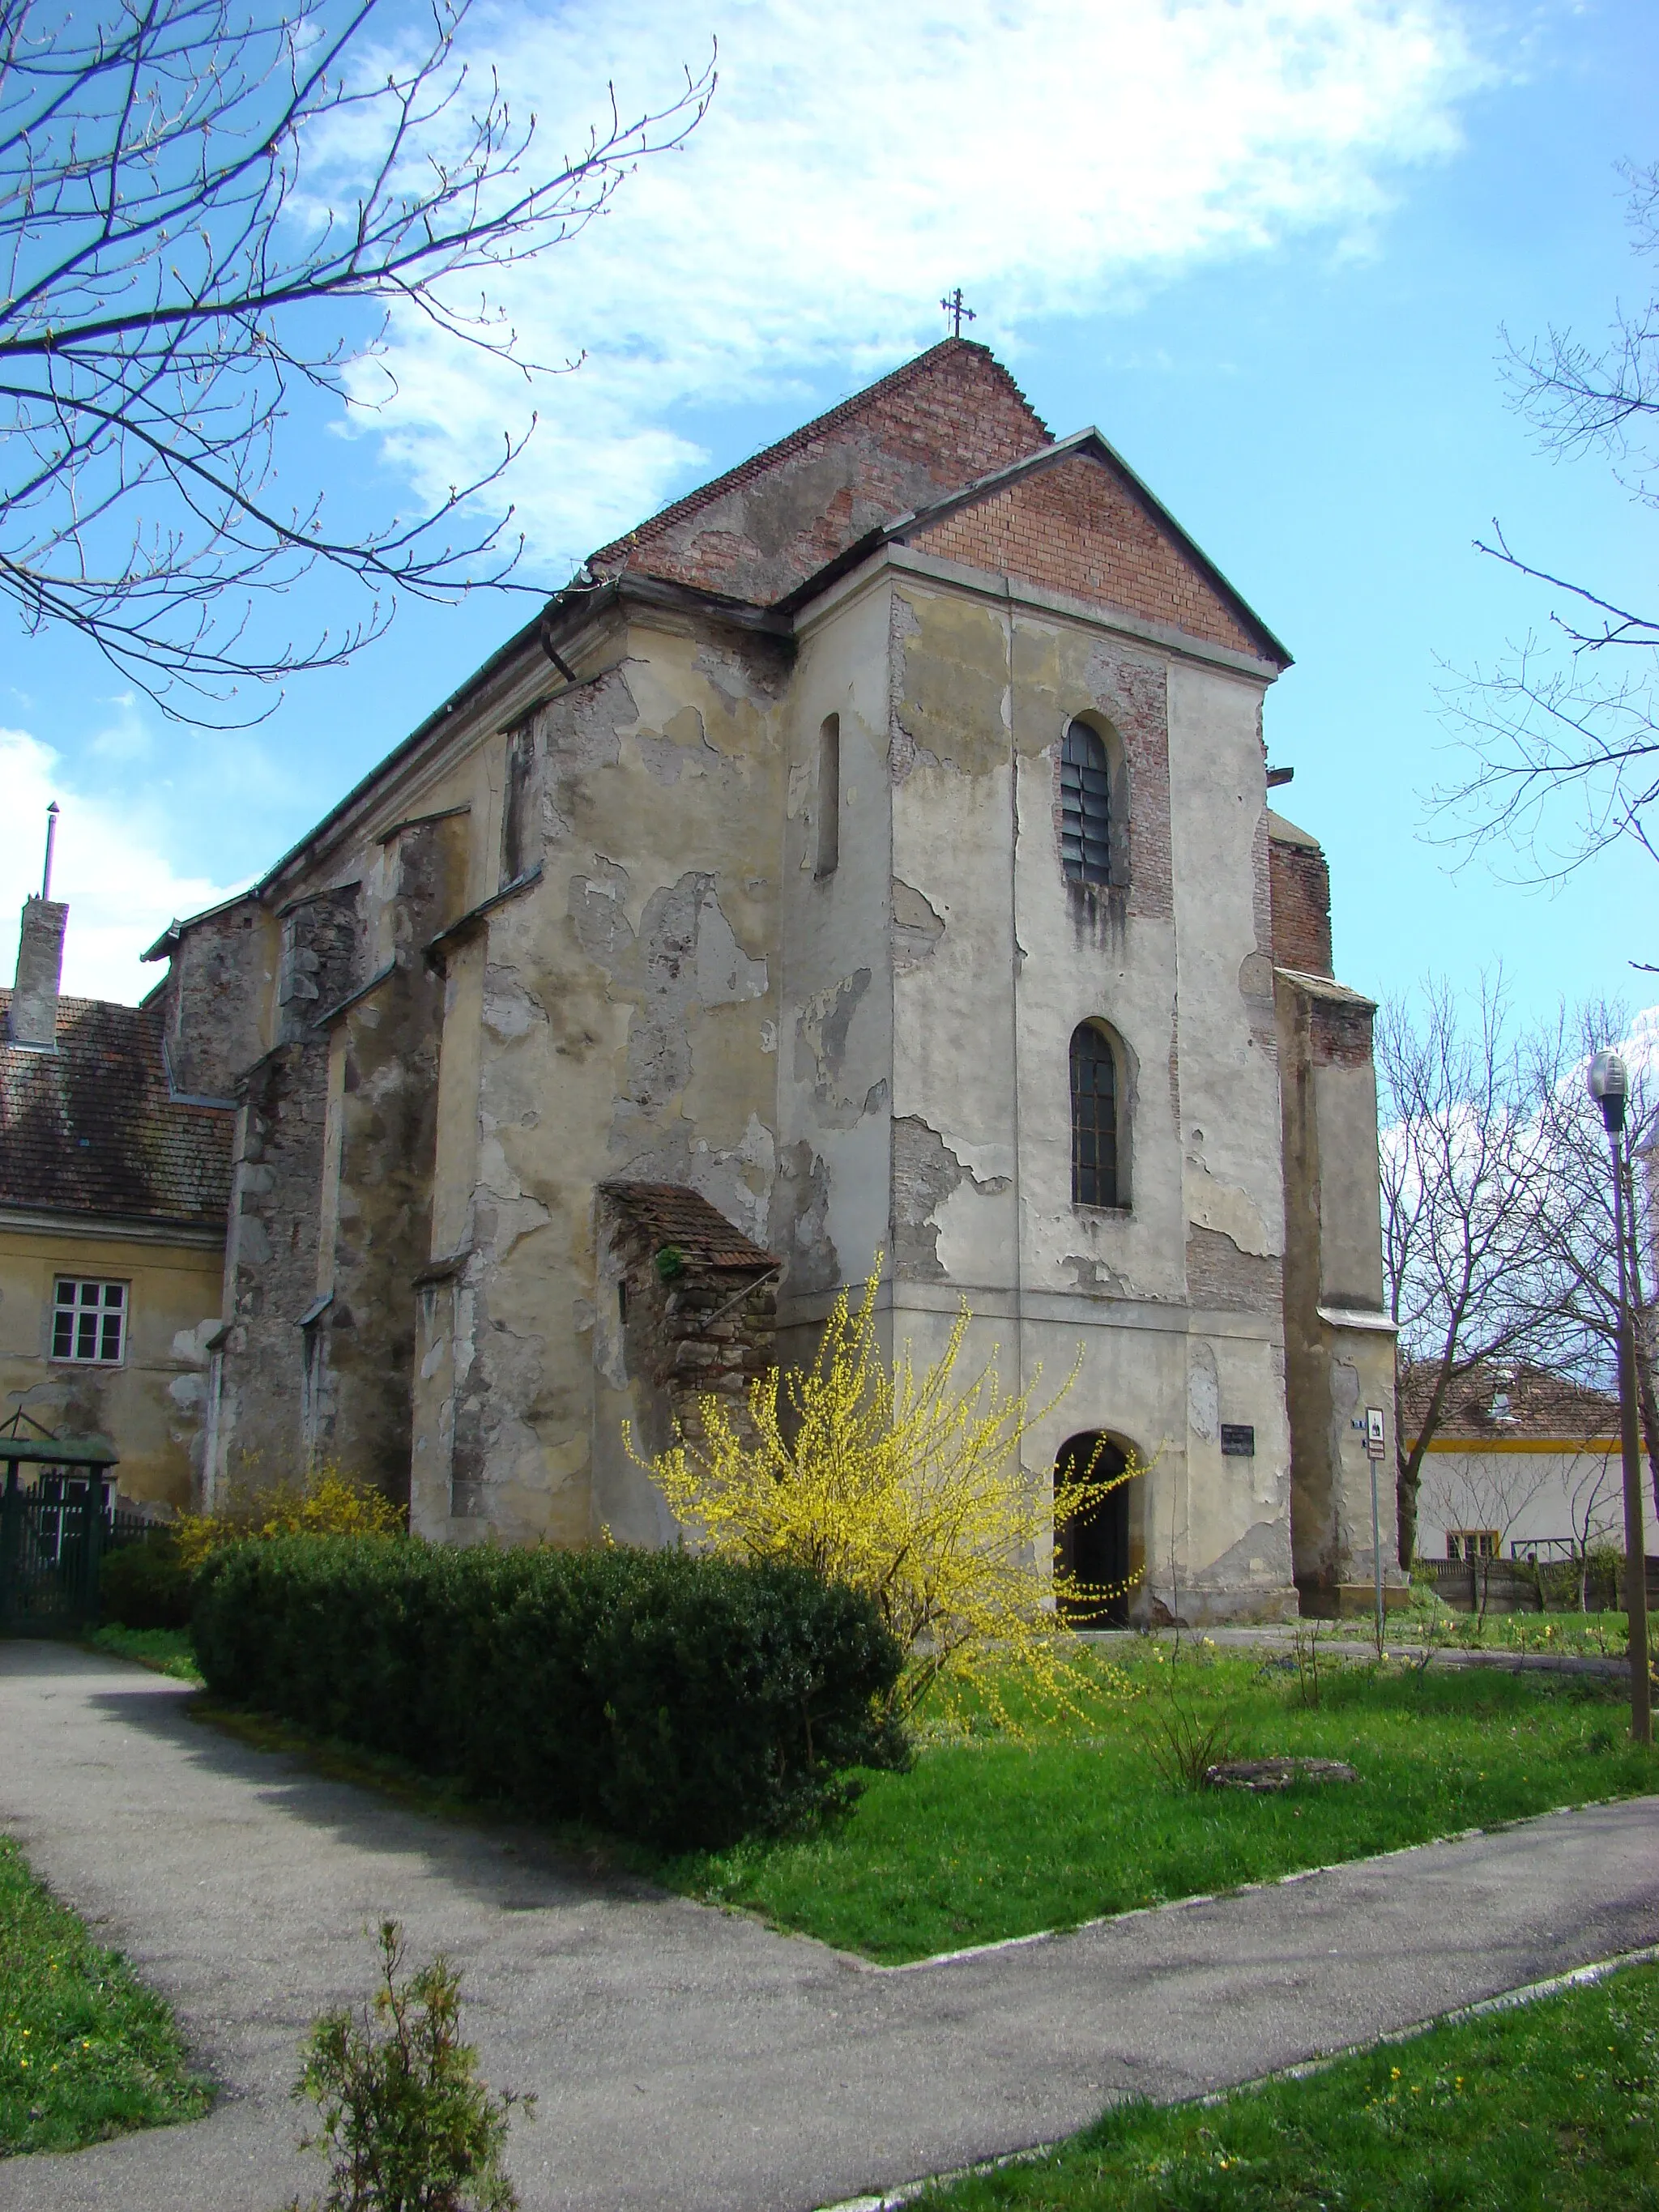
(1052,156)
(122,890)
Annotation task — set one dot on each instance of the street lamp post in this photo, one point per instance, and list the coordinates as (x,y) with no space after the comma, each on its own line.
(1609,1087)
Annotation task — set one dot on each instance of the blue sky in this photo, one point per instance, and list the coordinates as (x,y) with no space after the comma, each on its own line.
(1266,248)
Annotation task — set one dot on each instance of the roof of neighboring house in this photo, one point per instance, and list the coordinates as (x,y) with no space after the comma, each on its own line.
(1520,1402)
(664,1213)
(93,1128)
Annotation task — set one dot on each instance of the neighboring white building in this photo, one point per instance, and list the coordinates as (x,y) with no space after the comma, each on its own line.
(1525,1465)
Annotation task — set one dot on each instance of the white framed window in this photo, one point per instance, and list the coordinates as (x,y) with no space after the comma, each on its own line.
(89,1321)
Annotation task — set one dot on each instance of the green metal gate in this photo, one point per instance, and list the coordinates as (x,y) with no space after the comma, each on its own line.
(53,1533)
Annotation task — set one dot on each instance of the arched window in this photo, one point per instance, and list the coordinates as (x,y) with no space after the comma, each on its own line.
(1086,807)
(1094,1118)
(1092,1546)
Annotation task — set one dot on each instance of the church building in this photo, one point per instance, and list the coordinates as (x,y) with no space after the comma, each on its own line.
(869,855)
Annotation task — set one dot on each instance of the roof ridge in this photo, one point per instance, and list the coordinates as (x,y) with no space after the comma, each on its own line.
(795,440)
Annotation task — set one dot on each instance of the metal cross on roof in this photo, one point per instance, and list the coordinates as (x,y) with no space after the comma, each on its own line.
(958,314)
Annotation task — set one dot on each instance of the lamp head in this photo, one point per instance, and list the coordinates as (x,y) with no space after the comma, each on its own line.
(1609,1086)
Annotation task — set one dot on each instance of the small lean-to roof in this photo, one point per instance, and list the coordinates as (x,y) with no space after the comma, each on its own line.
(93,1128)
(664,1213)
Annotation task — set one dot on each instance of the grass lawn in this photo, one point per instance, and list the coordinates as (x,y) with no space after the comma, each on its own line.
(85,2050)
(1554,2106)
(168,1650)
(1587,1635)
(989,1837)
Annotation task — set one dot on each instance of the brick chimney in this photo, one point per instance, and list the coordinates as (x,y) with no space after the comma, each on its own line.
(32,1019)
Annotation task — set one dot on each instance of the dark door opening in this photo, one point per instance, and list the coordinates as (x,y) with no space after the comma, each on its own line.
(1094,1544)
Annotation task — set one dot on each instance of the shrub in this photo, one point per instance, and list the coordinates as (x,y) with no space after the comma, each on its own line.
(332,1504)
(906,1484)
(145,1584)
(407,2124)
(683,1700)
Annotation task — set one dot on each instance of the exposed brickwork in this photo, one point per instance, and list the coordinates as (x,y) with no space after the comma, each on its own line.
(1222,1278)
(1078,527)
(1133,696)
(709,1329)
(1340,1032)
(950,415)
(1301,891)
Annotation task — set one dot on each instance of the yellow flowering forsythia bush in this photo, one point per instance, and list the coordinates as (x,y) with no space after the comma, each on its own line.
(906,1485)
(333,1505)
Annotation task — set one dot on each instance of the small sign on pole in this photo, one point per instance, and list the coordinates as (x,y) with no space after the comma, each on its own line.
(1376,1443)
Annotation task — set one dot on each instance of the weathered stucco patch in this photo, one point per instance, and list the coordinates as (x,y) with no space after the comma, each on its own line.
(1203,1392)
(953,703)
(821,1029)
(927,1173)
(800,1220)
(917,928)
(1230,1212)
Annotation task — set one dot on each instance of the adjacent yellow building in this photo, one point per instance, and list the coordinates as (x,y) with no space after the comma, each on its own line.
(113,1188)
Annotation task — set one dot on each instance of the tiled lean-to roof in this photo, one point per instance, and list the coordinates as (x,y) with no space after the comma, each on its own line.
(92,1128)
(662,1213)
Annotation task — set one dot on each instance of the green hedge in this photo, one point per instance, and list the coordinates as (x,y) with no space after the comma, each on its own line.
(683,1700)
(145,1585)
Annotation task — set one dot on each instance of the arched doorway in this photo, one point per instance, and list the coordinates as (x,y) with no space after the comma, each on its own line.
(1094,1544)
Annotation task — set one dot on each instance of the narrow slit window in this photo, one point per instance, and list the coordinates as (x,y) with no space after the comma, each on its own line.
(1094,1118)
(1086,807)
(515,805)
(829,848)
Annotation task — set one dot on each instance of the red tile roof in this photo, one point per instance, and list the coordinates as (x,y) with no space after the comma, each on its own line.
(664,1213)
(92,1128)
(1496,1400)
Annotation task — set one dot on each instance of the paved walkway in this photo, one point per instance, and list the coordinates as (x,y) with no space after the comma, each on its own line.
(687,2060)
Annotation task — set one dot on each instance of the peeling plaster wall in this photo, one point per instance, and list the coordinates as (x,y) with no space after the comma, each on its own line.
(617,1018)
(1334,1262)
(378,1199)
(834,1063)
(1171,1303)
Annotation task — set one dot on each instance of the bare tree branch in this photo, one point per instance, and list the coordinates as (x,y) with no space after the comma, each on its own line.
(209,209)
(1562,751)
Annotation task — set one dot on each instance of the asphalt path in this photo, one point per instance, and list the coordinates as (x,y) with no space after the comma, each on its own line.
(690,2060)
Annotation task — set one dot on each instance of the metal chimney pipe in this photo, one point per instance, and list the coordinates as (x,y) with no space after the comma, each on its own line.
(52,837)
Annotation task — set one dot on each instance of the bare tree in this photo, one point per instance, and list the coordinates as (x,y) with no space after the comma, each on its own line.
(1563,739)
(208,212)
(1574,1292)
(1596,1511)
(1466,1209)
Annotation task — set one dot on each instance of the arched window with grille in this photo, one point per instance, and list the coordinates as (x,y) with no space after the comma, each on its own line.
(1096,1150)
(1086,807)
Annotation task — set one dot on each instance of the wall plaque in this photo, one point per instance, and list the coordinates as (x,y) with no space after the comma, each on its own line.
(1238,1442)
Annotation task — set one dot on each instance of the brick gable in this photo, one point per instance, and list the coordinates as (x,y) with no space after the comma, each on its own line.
(945,419)
(1078,527)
